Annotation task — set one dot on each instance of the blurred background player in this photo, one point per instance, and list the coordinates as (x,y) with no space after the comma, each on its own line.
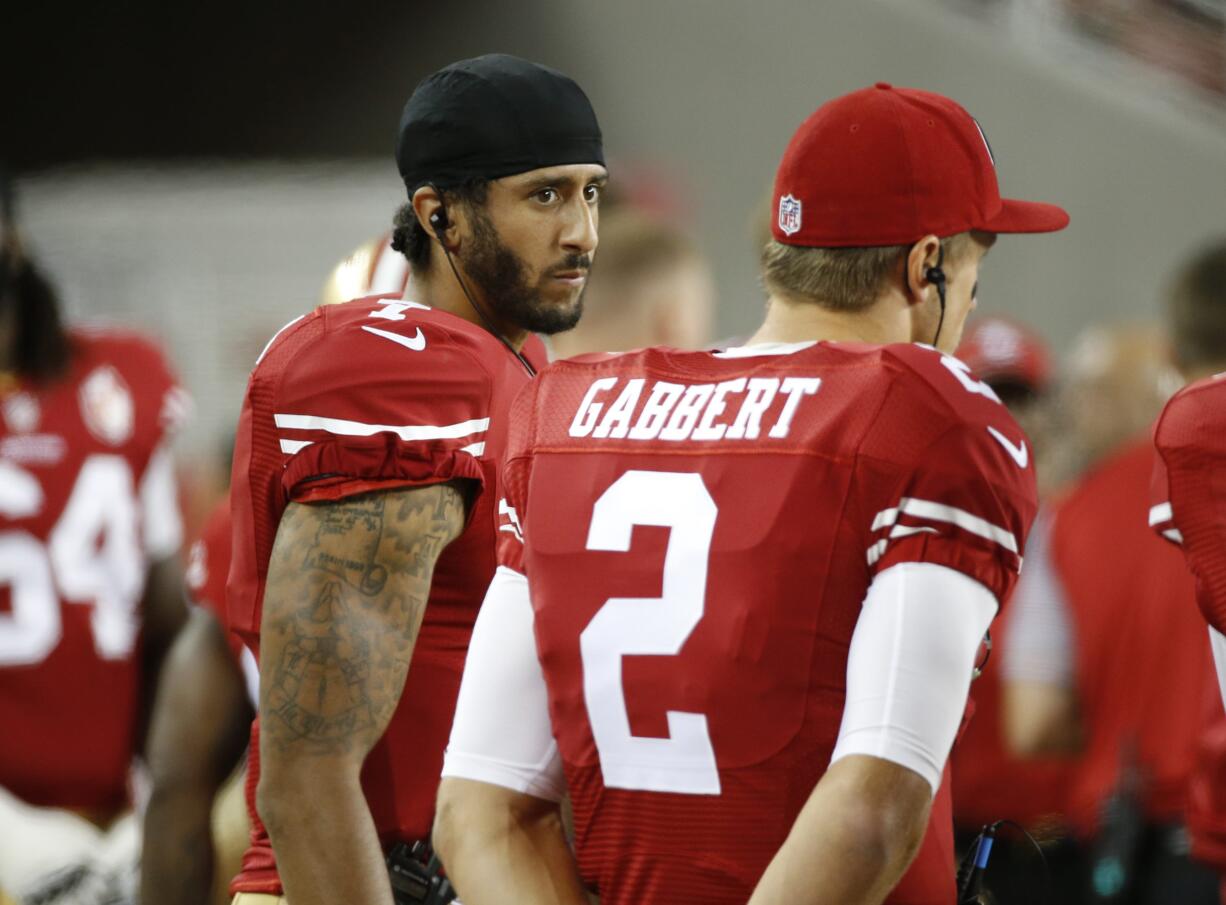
(1189,508)
(373,268)
(989,783)
(89,582)
(650,287)
(1105,659)
(808,648)
(196,827)
(366,472)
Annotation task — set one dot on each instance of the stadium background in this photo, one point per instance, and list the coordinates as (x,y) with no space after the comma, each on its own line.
(198,170)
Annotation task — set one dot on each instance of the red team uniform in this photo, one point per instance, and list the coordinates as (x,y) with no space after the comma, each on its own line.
(1190,488)
(699,531)
(376,394)
(1189,509)
(208,566)
(1129,602)
(87,504)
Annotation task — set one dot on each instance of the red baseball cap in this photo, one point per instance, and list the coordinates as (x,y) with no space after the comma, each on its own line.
(998,349)
(888,166)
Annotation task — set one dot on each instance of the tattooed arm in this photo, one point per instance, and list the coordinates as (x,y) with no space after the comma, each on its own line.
(346,591)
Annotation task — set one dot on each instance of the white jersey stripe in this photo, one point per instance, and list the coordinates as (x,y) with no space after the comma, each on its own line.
(476,450)
(406,432)
(1160,513)
(939,512)
(1174,535)
(268,345)
(292,446)
(907,531)
(876,550)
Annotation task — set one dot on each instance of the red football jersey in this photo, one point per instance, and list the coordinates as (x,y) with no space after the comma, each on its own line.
(1189,492)
(1188,507)
(86,503)
(699,531)
(1142,661)
(374,394)
(208,565)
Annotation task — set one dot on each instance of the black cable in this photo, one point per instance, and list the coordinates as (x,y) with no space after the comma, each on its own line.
(939,282)
(438,226)
(975,863)
(486,320)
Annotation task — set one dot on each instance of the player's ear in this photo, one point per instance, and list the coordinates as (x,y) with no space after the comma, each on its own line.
(920,258)
(434,217)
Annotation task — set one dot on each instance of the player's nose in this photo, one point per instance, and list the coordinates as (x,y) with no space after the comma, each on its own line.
(579,235)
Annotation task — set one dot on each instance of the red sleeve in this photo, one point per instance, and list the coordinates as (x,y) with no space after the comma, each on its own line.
(1191,442)
(208,566)
(954,483)
(512,507)
(358,412)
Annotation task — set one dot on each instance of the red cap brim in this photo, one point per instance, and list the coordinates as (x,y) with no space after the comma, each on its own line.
(1026,217)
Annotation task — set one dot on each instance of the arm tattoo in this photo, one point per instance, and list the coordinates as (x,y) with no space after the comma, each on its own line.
(347,588)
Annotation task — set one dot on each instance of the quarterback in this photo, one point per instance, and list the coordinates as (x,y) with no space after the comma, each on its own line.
(741,593)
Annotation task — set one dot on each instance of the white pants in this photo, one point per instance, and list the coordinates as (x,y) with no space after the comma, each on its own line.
(48,849)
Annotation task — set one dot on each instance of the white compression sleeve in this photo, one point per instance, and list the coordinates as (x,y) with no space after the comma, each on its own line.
(1039,646)
(1217,641)
(502,734)
(910,663)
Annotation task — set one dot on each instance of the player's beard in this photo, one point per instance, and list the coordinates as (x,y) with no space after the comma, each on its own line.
(503,278)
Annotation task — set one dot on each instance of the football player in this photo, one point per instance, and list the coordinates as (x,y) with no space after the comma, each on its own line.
(652,287)
(1189,509)
(90,592)
(1190,483)
(205,705)
(741,593)
(365,482)
(201,724)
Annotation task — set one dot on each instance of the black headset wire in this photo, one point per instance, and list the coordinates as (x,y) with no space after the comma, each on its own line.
(936,276)
(975,863)
(438,220)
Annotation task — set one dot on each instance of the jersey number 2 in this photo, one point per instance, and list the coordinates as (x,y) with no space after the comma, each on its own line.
(627,626)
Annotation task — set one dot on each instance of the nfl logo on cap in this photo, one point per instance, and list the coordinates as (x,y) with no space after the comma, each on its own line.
(789,214)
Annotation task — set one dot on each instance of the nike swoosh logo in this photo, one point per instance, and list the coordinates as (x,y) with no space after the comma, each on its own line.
(1020,454)
(416,343)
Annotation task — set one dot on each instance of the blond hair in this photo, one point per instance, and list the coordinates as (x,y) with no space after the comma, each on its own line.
(841,279)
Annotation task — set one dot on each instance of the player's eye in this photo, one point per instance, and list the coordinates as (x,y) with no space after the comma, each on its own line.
(547,195)
(591,193)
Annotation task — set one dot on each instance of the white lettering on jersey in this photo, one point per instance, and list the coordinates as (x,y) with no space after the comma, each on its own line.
(686,414)
(659,405)
(677,412)
(962,371)
(589,409)
(616,422)
(796,389)
(707,428)
(394,311)
(758,398)
(93,554)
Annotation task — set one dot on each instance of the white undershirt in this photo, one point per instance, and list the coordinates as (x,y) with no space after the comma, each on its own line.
(908,673)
